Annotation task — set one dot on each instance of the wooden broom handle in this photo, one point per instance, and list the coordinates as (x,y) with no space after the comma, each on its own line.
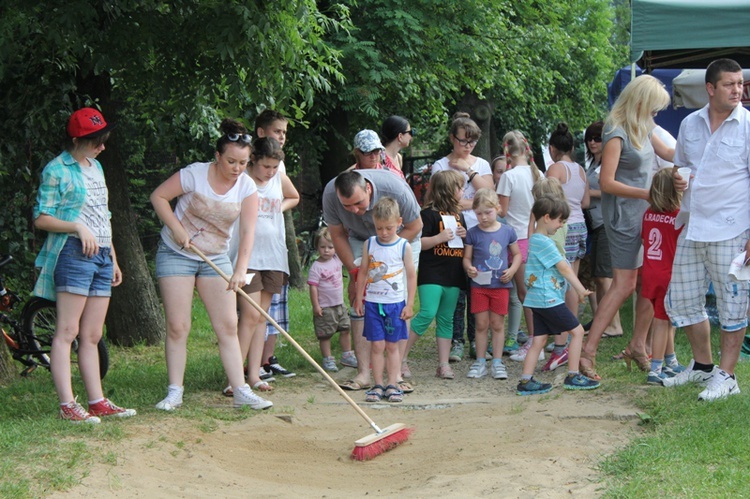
(291,340)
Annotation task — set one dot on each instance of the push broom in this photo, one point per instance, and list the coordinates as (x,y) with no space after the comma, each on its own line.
(365,448)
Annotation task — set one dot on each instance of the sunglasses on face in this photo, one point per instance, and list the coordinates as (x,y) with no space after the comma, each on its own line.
(239,137)
(374,152)
(411,132)
(595,139)
(466,142)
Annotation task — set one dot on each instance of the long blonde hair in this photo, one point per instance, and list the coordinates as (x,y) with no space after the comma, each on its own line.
(634,108)
(515,144)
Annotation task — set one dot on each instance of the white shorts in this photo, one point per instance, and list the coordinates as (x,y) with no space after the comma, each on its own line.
(695,265)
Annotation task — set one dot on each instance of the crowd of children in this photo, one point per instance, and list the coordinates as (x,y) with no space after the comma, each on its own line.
(528,262)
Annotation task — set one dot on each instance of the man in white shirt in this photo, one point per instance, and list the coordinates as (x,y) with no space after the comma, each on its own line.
(715,143)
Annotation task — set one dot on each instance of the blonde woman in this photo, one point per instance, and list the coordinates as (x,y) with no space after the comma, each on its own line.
(627,159)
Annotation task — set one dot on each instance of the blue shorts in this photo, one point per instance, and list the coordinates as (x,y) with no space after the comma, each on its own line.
(169,263)
(554,320)
(383,322)
(78,274)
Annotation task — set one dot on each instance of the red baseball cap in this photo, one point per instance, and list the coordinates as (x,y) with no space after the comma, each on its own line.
(87,123)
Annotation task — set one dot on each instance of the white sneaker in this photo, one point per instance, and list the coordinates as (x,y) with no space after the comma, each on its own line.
(498,370)
(690,376)
(720,387)
(245,396)
(477,370)
(173,400)
(520,354)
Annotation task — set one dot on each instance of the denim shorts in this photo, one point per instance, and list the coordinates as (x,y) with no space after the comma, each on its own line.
(169,263)
(78,274)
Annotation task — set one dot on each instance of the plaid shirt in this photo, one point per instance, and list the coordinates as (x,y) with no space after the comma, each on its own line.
(61,194)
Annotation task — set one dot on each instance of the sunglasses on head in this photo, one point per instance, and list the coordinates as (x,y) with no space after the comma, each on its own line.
(239,137)
(595,139)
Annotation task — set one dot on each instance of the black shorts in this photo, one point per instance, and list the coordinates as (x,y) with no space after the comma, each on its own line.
(554,320)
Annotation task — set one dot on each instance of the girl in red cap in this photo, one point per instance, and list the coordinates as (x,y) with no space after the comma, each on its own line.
(78,263)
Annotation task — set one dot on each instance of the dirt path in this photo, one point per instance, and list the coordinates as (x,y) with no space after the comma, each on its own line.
(473,438)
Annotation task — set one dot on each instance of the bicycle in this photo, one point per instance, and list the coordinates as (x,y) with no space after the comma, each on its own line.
(30,336)
(306,241)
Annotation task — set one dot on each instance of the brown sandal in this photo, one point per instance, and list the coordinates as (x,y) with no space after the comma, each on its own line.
(641,359)
(589,372)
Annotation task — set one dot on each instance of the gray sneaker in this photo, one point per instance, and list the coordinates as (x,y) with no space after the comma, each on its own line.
(348,359)
(498,370)
(329,364)
(478,370)
(245,396)
(457,352)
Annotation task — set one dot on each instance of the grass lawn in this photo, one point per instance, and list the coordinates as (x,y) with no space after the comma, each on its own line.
(687,448)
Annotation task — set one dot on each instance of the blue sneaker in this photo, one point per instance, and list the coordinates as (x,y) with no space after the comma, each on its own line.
(511,345)
(532,387)
(657,378)
(580,382)
(670,371)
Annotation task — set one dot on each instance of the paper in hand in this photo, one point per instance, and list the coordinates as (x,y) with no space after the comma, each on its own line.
(450,223)
(739,269)
(483,278)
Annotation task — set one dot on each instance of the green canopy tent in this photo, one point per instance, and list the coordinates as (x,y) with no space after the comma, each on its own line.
(689,33)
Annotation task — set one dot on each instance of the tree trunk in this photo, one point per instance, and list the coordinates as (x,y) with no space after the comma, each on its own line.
(481,112)
(134,313)
(7,372)
(296,277)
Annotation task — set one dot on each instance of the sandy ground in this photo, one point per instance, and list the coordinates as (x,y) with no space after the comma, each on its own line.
(472,438)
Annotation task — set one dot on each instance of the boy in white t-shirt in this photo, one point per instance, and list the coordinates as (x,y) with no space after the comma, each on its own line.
(330,315)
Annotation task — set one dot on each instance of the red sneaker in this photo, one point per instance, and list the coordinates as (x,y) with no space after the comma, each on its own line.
(107,408)
(75,413)
(556,361)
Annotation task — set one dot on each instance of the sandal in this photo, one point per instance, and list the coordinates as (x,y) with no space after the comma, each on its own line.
(405,386)
(640,358)
(352,385)
(444,371)
(374,394)
(588,371)
(228,392)
(394,394)
(262,386)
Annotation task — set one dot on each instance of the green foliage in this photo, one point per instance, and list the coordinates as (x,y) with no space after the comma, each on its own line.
(167,72)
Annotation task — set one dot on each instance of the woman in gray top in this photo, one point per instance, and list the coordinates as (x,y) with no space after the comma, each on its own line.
(627,160)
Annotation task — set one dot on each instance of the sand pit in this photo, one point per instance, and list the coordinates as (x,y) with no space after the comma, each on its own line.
(473,438)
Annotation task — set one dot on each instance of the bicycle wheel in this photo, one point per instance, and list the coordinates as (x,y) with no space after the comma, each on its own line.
(39,318)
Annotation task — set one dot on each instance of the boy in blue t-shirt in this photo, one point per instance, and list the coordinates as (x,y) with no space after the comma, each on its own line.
(546,273)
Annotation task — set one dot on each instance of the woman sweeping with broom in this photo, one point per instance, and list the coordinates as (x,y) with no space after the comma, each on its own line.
(211,197)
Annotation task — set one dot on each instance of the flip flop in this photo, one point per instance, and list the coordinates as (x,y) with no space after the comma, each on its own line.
(352,385)
(262,386)
(405,386)
(607,335)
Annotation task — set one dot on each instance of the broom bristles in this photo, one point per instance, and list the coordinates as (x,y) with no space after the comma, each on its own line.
(380,443)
